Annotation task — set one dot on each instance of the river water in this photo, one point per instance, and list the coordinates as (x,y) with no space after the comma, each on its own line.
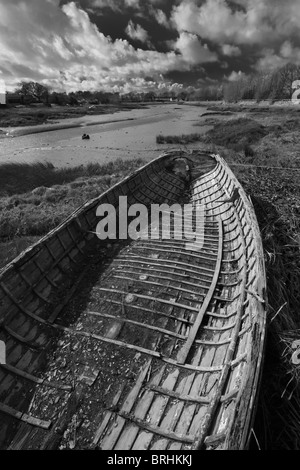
(126,134)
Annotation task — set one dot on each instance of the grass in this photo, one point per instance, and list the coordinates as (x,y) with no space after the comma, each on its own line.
(236,133)
(278,415)
(17,178)
(233,133)
(44,196)
(182,139)
(32,115)
(218,113)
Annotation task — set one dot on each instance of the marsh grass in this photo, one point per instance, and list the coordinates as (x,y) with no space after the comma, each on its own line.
(237,134)
(176,139)
(44,196)
(280,393)
(18,178)
(14,116)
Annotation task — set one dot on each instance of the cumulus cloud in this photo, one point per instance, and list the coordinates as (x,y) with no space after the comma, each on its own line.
(142,85)
(2,87)
(259,21)
(213,20)
(115,5)
(137,32)
(133,3)
(271,60)
(234,76)
(39,39)
(231,51)
(193,50)
(160,17)
(120,5)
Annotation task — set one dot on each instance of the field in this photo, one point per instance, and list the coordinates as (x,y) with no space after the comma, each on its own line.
(36,198)
(14,116)
(262,146)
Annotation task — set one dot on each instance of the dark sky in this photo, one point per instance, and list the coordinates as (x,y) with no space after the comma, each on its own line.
(124,45)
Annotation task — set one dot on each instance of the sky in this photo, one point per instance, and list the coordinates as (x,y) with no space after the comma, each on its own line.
(144,45)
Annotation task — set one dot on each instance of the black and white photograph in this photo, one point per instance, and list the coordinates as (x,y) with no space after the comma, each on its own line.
(149,228)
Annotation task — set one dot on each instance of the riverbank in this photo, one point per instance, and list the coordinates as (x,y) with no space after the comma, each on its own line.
(126,134)
(20,115)
(35,198)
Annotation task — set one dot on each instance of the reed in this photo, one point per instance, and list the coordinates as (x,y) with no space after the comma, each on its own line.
(36,198)
(17,178)
(181,139)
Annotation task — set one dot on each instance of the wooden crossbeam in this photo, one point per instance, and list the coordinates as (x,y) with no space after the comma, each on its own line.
(24,417)
(185,349)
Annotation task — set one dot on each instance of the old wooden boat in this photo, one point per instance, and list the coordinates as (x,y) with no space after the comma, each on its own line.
(138,344)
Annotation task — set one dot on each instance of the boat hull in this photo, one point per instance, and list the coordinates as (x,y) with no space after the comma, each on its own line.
(153,341)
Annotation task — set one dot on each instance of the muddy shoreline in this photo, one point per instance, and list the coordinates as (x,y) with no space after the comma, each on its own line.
(127,134)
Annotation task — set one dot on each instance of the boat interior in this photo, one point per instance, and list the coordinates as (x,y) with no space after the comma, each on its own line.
(147,343)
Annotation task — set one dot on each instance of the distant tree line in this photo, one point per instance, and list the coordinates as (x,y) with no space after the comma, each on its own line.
(275,85)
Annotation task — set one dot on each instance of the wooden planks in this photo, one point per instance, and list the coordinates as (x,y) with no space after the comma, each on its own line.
(111,439)
(184,351)
(19,415)
(167,411)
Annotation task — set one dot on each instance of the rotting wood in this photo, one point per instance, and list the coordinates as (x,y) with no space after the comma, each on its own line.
(165,261)
(128,405)
(20,338)
(14,370)
(107,416)
(76,242)
(67,298)
(187,253)
(204,428)
(184,351)
(149,310)
(140,324)
(222,320)
(154,299)
(150,273)
(155,429)
(190,398)
(24,417)
(33,287)
(151,262)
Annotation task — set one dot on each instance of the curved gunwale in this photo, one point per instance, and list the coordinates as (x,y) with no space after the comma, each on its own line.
(200,371)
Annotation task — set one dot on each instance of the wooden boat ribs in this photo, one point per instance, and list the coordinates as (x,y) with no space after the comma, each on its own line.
(163,339)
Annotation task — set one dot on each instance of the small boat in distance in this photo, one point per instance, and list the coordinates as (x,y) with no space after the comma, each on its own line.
(150,342)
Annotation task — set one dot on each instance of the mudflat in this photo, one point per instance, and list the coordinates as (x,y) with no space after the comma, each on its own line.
(119,135)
